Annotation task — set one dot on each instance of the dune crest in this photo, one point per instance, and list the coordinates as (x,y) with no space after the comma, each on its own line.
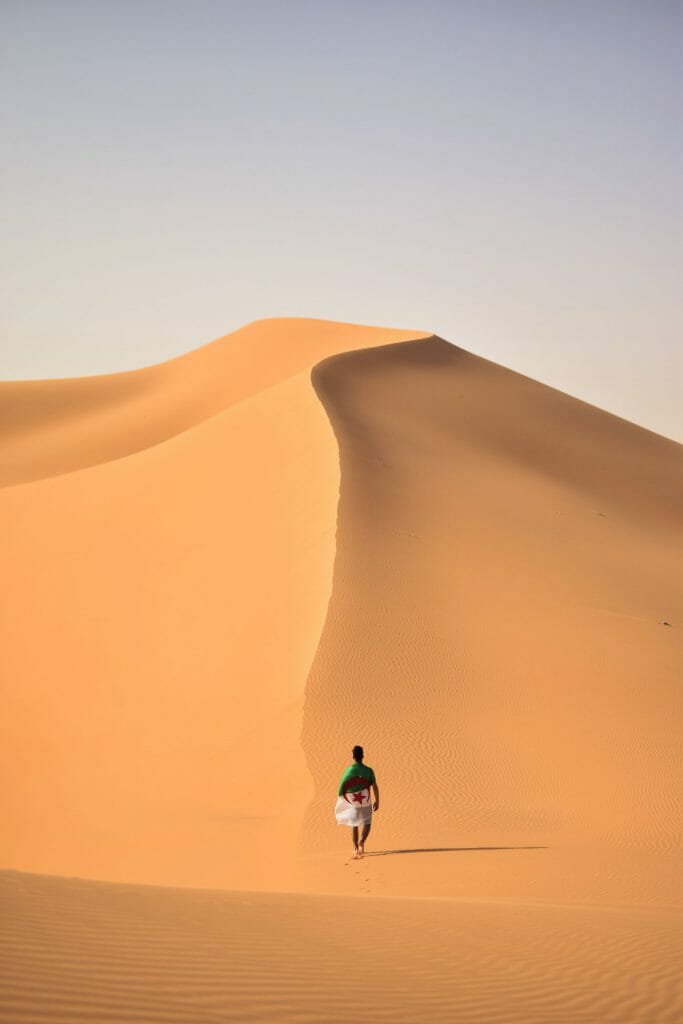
(51,427)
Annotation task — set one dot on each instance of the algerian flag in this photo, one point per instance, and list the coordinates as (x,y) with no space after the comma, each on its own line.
(354,808)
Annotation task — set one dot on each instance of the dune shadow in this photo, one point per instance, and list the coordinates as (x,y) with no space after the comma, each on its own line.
(450,849)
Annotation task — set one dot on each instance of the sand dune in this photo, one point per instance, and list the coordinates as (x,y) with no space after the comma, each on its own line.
(223,571)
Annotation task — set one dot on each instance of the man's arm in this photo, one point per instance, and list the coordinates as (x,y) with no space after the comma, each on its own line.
(375,789)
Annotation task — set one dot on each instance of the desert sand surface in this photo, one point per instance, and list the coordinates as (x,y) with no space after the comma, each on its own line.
(222,572)
(75,950)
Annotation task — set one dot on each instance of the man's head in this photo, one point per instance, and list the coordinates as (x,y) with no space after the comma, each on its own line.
(358,754)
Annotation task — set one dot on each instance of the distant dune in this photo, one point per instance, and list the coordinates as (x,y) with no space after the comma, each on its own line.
(221,572)
(57,426)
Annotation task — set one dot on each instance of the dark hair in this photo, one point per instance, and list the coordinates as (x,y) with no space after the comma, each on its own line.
(357,753)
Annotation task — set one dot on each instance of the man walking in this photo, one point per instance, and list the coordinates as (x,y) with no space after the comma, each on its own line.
(354,806)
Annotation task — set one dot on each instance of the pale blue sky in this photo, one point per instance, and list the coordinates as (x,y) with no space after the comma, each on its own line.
(505,173)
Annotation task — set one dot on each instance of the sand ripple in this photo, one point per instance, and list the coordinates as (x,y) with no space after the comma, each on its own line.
(76,951)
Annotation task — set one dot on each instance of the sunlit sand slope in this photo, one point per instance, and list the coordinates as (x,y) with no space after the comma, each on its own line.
(99,952)
(55,426)
(160,611)
(503,636)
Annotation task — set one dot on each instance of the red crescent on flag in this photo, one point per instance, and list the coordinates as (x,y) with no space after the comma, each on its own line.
(355,780)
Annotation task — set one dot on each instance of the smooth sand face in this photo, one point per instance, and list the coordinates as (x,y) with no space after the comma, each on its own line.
(161,612)
(222,572)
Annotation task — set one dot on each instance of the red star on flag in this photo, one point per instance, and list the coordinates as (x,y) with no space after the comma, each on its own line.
(356,780)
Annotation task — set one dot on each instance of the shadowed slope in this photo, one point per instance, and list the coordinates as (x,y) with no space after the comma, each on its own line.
(505,557)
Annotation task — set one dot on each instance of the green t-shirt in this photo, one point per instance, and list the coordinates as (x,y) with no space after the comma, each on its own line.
(355,778)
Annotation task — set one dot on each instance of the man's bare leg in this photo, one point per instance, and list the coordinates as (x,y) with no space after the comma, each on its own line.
(364,836)
(355,840)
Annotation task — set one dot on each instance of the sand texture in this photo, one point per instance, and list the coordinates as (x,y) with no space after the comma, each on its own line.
(91,951)
(220,573)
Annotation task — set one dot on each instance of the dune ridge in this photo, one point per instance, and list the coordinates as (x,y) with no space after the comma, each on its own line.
(221,572)
(51,427)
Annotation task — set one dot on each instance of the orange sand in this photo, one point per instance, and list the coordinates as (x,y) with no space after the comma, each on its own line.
(201,615)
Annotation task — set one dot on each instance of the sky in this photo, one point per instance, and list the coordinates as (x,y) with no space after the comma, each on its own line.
(505,173)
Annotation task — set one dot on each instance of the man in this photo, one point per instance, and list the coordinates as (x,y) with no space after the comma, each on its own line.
(354,806)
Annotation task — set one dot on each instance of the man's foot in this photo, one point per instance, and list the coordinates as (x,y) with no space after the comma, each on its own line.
(361,849)
(356,854)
